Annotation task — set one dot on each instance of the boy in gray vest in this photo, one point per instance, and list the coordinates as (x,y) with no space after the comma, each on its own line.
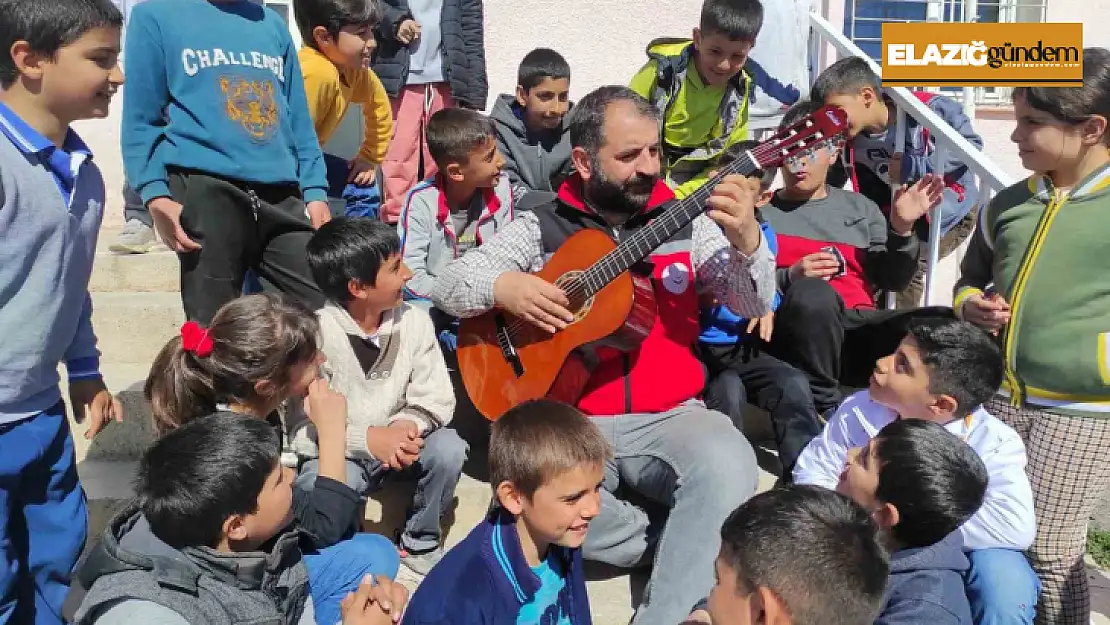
(211,538)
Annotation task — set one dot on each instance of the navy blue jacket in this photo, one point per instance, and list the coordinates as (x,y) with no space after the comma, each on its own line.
(485,580)
(927,586)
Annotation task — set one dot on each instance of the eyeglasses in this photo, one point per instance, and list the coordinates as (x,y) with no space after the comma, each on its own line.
(795,162)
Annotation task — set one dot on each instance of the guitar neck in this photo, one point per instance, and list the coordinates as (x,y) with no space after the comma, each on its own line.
(638,246)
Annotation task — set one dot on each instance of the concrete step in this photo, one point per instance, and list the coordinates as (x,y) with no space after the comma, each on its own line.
(133,327)
(138,273)
(117,441)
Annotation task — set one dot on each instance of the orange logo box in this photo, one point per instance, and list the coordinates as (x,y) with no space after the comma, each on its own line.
(926,54)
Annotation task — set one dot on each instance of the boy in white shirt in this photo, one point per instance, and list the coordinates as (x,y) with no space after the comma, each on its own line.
(942,372)
(383,356)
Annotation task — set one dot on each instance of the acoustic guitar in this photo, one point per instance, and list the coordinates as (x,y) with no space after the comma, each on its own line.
(504,360)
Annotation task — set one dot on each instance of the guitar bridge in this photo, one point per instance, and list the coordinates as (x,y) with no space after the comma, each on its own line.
(508,351)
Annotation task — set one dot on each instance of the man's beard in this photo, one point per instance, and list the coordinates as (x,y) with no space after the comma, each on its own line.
(627,198)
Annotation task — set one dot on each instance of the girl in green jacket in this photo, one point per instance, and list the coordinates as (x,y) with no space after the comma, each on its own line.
(1035,276)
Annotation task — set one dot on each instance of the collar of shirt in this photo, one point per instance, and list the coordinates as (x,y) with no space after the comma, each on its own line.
(64,163)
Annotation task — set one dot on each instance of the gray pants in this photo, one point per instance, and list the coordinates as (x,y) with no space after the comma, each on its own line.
(694,462)
(436,473)
(133,207)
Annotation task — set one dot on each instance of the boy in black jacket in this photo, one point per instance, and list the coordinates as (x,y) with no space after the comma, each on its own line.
(920,483)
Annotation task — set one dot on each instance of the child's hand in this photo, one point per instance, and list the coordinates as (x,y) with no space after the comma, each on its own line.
(988,312)
(914,202)
(396,446)
(319,212)
(91,395)
(732,206)
(408,31)
(766,325)
(816,265)
(326,409)
(361,172)
(167,222)
(375,602)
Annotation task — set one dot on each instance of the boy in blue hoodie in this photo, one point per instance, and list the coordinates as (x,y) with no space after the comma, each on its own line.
(219,143)
(920,483)
(876,166)
(58,64)
(523,564)
(739,367)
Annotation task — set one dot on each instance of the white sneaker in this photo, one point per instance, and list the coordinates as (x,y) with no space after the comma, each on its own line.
(137,238)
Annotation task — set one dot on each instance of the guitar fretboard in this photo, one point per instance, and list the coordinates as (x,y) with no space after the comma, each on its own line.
(637,247)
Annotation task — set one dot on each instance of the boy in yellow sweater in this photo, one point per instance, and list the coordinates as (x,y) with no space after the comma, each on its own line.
(335,60)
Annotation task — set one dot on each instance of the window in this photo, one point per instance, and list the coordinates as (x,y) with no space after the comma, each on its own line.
(863,21)
(284,8)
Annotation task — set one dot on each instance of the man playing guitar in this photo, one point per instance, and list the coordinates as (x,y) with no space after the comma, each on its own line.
(668,447)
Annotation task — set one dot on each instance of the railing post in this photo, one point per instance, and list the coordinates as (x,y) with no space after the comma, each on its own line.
(899,143)
(940,154)
(970,14)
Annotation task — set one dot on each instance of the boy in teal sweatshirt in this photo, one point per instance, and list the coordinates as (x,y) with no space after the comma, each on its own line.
(218,141)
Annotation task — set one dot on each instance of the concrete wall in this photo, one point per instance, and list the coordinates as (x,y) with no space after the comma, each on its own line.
(603,40)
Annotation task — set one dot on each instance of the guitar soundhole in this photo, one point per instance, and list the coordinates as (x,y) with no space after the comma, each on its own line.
(568,282)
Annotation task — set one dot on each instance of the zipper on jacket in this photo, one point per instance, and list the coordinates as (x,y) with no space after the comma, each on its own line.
(256,204)
(1017,390)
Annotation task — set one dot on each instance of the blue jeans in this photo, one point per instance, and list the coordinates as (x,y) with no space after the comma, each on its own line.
(43,518)
(1001,587)
(437,473)
(360,201)
(337,570)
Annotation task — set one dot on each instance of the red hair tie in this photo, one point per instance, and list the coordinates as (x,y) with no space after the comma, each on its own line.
(195,339)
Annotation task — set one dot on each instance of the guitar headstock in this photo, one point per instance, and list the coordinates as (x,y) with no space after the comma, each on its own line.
(824,127)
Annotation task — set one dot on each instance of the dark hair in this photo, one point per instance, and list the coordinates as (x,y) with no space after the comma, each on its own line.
(194,478)
(732,153)
(452,133)
(963,361)
(537,440)
(1073,105)
(254,338)
(539,64)
(934,479)
(816,549)
(334,16)
(739,20)
(350,248)
(587,118)
(847,76)
(48,26)
(799,111)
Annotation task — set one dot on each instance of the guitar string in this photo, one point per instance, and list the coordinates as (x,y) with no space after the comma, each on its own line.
(613,259)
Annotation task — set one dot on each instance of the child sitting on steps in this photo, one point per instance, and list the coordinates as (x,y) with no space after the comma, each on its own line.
(260,351)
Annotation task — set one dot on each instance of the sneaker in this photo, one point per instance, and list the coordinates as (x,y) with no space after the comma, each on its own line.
(421,563)
(137,238)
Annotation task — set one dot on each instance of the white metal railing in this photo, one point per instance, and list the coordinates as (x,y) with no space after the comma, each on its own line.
(990,177)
